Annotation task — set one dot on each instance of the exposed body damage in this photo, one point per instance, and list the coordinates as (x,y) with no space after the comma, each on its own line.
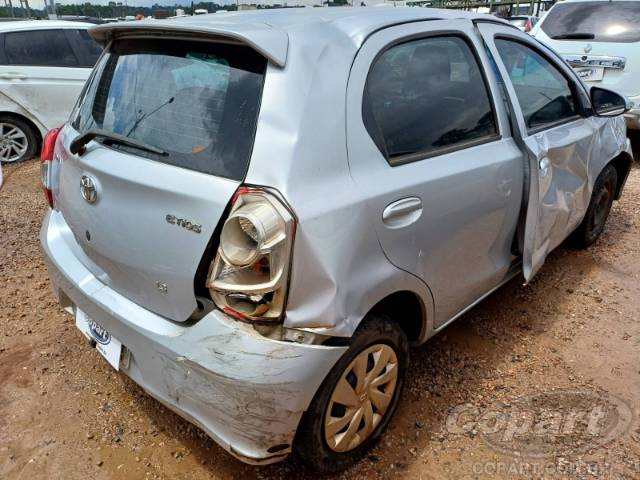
(566,183)
(562,165)
(243,389)
(337,222)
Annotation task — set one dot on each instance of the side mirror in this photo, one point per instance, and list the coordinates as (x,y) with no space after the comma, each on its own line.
(607,103)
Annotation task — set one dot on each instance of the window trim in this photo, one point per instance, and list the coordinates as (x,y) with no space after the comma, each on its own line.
(6,58)
(418,156)
(570,81)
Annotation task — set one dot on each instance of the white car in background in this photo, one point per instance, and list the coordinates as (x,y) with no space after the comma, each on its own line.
(601,41)
(43,66)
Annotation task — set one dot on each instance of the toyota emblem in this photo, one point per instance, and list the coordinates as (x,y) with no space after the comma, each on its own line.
(88,189)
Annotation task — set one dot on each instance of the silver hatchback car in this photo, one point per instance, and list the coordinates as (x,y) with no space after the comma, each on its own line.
(254,215)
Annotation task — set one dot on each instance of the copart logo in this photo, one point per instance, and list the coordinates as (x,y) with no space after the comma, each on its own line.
(545,425)
(98,333)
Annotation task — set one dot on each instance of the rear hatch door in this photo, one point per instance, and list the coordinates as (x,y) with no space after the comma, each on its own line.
(599,39)
(153,215)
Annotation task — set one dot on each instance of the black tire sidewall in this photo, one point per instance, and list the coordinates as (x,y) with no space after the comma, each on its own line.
(310,445)
(32,140)
(583,235)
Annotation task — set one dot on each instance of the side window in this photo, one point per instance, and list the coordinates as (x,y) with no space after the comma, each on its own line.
(47,48)
(426,96)
(543,92)
(87,48)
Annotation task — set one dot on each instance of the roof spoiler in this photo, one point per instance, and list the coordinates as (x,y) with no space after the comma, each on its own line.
(268,41)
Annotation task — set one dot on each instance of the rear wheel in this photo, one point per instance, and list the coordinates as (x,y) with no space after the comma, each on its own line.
(598,211)
(357,399)
(18,141)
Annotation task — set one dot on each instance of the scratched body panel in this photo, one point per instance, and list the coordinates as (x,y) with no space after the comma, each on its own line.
(246,391)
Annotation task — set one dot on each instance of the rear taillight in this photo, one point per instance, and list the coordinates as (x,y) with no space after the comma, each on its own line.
(249,276)
(47,167)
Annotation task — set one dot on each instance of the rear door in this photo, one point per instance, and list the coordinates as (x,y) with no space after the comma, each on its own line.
(430,148)
(547,103)
(41,73)
(143,220)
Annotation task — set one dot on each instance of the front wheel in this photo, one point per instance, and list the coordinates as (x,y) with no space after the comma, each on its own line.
(595,219)
(357,399)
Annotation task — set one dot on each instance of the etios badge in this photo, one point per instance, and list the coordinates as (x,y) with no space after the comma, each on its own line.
(88,189)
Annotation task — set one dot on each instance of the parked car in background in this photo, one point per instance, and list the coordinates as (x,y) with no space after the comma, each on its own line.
(43,66)
(601,41)
(260,264)
(524,23)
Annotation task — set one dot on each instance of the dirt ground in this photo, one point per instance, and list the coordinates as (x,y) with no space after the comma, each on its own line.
(64,413)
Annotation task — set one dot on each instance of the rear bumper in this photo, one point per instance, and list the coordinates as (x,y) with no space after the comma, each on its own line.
(245,391)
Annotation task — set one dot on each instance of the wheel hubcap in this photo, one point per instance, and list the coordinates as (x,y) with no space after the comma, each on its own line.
(13,142)
(361,398)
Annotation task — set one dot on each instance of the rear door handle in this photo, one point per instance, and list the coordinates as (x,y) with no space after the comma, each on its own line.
(12,76)
(402,213)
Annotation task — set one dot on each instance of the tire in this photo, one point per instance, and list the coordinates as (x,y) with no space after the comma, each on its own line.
(18,141)
(325,451)
(598,211)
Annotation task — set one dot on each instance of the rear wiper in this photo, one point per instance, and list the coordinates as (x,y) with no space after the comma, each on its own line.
(574,36)
(110,138)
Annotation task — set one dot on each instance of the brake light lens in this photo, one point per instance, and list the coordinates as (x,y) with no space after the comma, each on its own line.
(48,167)
(248,278)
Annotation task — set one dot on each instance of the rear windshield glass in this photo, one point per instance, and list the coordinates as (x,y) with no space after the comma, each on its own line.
(594,21)
(196,101)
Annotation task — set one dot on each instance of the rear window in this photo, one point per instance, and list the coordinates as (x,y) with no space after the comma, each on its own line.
(197,101)
(606,21)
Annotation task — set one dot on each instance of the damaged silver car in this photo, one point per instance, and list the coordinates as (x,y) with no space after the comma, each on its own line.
(255,215)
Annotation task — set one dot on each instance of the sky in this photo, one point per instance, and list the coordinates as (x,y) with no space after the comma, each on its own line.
(147,3)
(39,4)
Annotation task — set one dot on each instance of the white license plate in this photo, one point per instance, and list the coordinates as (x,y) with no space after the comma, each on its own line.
(109,346)
(590,74)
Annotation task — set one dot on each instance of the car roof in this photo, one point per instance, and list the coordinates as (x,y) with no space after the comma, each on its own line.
(268,30)
(40,25)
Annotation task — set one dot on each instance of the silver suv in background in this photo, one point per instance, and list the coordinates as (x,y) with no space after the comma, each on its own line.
(254,217)
(601,40)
